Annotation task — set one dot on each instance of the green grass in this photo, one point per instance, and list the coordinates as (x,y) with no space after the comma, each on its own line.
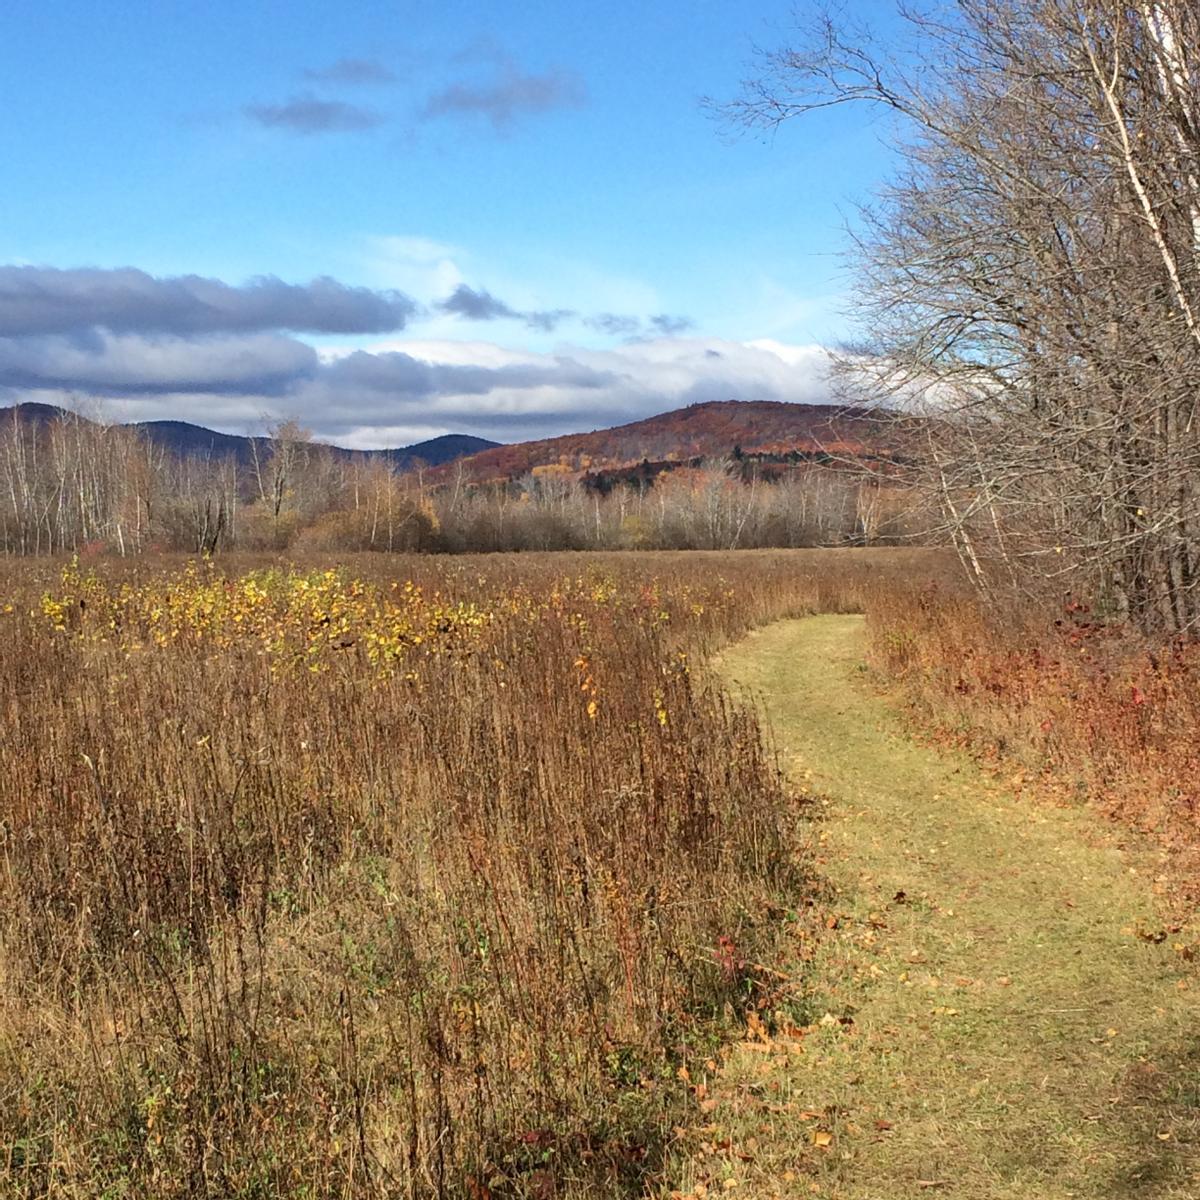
(1011,1035)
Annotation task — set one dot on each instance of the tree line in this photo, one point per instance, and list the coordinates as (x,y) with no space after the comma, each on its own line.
(71,484)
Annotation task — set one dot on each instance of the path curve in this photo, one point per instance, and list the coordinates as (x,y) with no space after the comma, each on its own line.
(1012,1035)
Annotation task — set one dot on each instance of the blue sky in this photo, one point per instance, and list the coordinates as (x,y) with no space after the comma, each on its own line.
(547,159)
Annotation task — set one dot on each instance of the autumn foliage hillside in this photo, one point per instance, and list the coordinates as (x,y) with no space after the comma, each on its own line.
(712,430)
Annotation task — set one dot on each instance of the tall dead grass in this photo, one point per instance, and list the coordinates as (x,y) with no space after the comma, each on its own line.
(323,885)
(1092,709)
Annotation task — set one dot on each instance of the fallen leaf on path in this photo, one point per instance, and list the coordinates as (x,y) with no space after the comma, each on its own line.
(756,1028)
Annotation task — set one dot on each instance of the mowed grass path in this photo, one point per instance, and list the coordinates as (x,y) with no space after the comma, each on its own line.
(1012,1034)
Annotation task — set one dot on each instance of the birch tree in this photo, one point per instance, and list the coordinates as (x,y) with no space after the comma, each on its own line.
(1030,279)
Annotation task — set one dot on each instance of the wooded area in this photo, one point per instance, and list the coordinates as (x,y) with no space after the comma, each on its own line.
(1031,278)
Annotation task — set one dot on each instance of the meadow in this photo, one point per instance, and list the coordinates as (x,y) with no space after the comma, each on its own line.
(404,877)
(453,876)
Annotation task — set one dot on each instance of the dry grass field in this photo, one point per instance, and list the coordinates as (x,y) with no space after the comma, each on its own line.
(408,877)
(413,876)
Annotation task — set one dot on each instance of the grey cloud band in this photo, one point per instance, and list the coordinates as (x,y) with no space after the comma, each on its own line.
(47,300)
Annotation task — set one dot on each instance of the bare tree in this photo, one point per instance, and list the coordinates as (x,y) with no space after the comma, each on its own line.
(1030,280)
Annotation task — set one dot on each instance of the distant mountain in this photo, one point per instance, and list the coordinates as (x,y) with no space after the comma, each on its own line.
(752,428)
(439,450)
(195,441)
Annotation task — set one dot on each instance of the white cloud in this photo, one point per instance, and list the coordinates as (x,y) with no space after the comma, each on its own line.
(794,356)
(483,388)
(417,265)
(457,353)
(371,438)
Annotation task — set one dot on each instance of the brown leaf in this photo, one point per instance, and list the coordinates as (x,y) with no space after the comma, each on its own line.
(755,1027)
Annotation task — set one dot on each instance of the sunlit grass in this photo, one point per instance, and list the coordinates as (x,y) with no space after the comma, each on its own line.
(983,1019)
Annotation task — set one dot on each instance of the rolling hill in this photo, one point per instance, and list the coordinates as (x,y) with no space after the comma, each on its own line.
(759,428)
